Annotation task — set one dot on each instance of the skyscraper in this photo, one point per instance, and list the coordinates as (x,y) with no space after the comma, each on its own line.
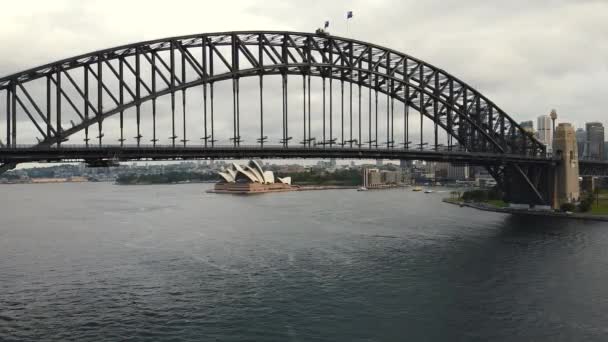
(544,131)
(581,141)
(595,141)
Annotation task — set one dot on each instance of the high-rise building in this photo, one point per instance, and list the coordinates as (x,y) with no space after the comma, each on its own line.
(528,126)
(595,141)
(581,141)
(544,131)
(371,177)
(458,172)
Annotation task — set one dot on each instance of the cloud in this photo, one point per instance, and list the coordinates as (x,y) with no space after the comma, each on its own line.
(528,57)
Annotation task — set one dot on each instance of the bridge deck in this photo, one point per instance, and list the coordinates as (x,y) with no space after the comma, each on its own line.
(598,168)
(79,153)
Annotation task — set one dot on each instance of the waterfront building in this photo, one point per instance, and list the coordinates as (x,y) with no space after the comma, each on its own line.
(595,141)
(376,178)
(390,177)
(371,177)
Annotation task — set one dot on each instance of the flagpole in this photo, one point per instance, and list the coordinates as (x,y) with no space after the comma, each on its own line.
(347,29)
(349,15)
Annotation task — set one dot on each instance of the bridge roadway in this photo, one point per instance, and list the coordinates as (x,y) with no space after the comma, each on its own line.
(128,153)
(9,157)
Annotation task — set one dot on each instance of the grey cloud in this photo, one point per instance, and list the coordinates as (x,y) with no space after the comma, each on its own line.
(527,56)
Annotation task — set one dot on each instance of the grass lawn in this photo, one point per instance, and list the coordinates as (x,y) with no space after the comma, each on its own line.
(498,203)
(602,208)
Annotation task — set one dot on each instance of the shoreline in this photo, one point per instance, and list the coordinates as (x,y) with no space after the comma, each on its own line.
(489,208)
(292,189)
(174,183)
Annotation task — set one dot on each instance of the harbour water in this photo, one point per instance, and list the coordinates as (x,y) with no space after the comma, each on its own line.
(99,262)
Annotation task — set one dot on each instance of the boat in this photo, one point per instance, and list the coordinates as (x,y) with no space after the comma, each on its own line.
(417,189)
(362,189)
(428,191)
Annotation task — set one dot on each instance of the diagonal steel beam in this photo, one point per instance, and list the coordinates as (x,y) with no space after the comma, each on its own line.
(103,85)
(65,96)
(79,91)
(191,60)
(220,55)
(29,98)
(164,63)
(529,182)
(137,77)
(120,79)
(155,69)
(27,112)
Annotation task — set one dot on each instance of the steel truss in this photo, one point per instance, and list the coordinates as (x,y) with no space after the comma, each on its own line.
(595,168)
(475,122)
(108,82)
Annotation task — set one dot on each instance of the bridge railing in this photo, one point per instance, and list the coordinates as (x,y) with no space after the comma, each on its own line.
(224,147)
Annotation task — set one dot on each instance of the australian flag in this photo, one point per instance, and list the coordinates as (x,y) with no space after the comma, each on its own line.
(327,24)
(349,14)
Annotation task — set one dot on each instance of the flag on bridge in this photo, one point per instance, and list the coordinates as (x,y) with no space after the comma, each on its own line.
(349,14)
(326,24)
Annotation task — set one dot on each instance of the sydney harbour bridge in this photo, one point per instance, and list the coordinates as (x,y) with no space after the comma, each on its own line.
(340,98)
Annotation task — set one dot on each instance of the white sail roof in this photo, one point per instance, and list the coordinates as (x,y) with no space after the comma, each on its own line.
(285,180)
(251,172)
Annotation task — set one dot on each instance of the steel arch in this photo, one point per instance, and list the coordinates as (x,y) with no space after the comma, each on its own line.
(474,121)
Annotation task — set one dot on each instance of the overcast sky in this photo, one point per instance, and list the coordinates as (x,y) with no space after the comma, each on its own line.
(526,56)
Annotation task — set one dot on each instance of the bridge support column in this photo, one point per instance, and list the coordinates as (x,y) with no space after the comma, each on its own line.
(567,188)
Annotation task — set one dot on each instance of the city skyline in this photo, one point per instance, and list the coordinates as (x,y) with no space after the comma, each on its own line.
(591,140)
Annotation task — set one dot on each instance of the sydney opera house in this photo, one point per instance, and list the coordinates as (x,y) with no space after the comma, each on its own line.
(250,178)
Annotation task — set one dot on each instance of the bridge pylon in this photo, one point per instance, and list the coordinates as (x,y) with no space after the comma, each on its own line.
(567,189)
